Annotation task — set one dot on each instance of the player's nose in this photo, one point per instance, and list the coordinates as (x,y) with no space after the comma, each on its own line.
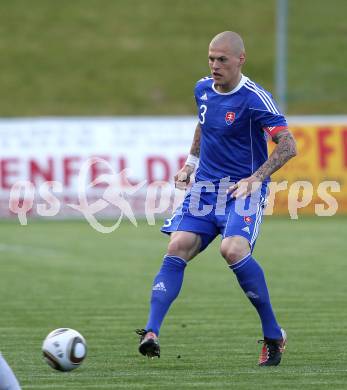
(215,65)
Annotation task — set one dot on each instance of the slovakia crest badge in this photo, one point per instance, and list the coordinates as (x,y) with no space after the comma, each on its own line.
(229,117)
(248,220)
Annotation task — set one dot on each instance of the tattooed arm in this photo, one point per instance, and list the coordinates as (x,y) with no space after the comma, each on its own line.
(283,152)
(195,149)
(182,178)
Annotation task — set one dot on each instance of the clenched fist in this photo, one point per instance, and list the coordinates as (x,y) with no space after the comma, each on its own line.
(182,177)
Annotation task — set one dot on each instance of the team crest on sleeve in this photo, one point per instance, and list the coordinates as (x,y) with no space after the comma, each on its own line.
(229,117)
(247,219)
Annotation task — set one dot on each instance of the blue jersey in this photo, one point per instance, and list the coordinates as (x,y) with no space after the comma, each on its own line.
(234,127)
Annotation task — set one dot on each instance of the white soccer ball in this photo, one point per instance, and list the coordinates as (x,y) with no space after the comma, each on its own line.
(64,349)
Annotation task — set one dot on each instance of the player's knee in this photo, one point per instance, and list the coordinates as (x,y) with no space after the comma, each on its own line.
(182,246)
(174,247)
(234,249)
(231,254)
(178,248)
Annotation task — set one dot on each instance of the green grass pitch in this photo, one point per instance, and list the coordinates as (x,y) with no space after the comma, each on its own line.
(64,274)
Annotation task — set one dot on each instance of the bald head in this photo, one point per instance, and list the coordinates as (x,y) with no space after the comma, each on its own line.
(226,56)
(230,40)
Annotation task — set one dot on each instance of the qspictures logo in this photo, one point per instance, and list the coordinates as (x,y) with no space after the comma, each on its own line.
(156,199)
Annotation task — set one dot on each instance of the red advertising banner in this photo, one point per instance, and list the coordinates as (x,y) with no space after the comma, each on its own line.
(320,167)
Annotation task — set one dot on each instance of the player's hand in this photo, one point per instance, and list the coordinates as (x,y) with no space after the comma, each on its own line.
(182,178)
(244,187)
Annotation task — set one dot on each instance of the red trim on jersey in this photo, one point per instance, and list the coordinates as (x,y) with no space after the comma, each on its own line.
(274,130)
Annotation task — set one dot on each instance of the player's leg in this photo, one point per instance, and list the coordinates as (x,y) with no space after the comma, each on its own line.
(240,232)
(250,275)
(189,235)
(8,380)
(183,247)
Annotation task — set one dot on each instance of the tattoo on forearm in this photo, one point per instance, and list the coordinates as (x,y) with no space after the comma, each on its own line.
(195,149)
(284,151)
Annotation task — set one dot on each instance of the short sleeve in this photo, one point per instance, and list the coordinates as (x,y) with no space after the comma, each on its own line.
(200,90)
(265,111)
(196,94)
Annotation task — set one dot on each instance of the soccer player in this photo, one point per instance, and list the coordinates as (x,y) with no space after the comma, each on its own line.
(236,116)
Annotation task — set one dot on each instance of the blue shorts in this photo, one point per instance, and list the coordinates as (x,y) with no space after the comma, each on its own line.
(209,213)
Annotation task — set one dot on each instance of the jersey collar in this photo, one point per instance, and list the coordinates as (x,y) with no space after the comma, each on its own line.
(238,86)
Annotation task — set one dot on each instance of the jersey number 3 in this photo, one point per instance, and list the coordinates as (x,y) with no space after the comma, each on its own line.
(202,112)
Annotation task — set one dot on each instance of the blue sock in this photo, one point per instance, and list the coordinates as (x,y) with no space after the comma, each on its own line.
(166,287)
(251,279)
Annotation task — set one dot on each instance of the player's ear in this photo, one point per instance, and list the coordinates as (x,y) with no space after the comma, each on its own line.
(242,58)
